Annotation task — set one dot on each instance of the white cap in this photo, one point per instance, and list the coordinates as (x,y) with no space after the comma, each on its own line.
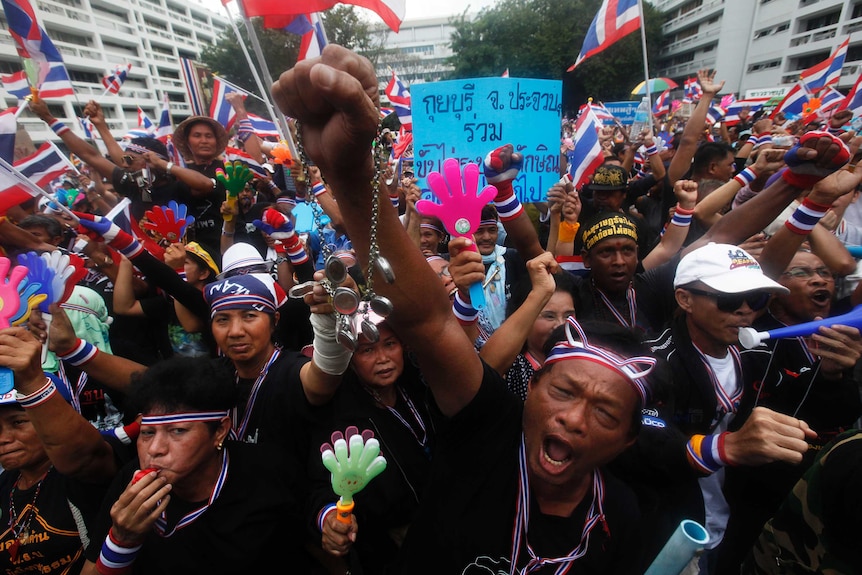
(240,255)
(725,268)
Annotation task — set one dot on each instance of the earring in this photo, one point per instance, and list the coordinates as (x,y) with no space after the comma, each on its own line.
(219,446)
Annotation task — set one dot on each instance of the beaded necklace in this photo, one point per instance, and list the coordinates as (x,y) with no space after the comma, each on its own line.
(20,524)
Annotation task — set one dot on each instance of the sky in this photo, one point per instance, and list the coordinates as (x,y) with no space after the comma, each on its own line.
(434,8)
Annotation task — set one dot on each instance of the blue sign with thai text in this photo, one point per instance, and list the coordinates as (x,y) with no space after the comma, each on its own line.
(623,111)
(466,119)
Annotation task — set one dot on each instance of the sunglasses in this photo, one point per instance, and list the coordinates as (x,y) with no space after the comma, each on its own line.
(252,269)
(730,302)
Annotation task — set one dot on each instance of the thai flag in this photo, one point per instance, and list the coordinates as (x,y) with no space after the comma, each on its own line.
(753,104)
(385,112)
(827,72)
(145,122)
(173,152)
(715,114)
(615,19)
(587,155)
(262,127)
(281,13)
(399,96)
(793,102)
(32,42)
(88,127)
(165,127)
(114,81)
(853,101)
(403,143)
(56,83)
(42,167)
(693,91)
(662,105)
(235,154)
(137,133)
(313,39)
(220,109)
(16,84)
(8,129)
(830,100)
(573,264)
(192,86)
(603,113)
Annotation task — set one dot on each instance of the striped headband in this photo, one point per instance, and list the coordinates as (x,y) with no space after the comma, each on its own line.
(432,227)
(633,369)
(487,223)
(184,417)
(250,291)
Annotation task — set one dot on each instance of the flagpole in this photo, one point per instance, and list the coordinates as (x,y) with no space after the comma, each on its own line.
(240,88)
(279,118)
(646,65)
(24,181)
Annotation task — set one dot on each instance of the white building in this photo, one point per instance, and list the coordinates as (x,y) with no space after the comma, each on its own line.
(417,53)
(95,36)
(757,44)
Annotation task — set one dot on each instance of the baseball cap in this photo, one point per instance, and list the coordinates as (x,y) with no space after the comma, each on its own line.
(725,268)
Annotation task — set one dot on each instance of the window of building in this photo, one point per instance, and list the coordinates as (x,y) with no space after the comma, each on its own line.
(689,6)
(165,73)
(687,33)
(69,37)
(80,76)
(857,10)
(854,53)
(782,27)
(821,21)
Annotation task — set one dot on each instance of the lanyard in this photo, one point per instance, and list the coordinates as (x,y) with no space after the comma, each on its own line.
(726,403)
(239,427)
(633,307)
(161,523)
(595,516)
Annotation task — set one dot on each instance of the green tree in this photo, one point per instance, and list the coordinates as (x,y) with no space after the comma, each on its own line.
(280,49)
(542,38)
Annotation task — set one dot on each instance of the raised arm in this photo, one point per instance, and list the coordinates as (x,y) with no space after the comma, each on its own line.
(335,98)
(681,161)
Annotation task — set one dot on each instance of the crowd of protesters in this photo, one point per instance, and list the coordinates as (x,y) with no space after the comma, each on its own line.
(170,414)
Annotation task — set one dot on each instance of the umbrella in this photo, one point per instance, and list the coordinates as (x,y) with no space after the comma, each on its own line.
(656,85)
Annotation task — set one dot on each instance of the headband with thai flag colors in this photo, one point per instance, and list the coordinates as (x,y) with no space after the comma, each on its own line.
(633,369)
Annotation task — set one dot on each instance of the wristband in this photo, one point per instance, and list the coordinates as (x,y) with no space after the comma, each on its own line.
(464,311)
(508,206)
(806,217)
(295,250)
(115,557)
(745,177)
(681,217)
(224,232)
(318,189)
(169,167)
(81,353)
(753,140)
(328,355)
(568,231)
(38,397)
(244,130)
(395,200)
(703,453)
(321,517)
(59,127)
(763,139)
(722,452)
(652,150)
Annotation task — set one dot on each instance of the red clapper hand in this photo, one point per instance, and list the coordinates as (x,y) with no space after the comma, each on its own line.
(460,208)
(164,222)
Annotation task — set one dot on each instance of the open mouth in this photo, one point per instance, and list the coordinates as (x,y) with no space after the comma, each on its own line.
(821,296)
(556,452)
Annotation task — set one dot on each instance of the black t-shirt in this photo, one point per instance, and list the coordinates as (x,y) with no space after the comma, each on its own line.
(466,518)
(206,210)
(252,525)
(54,540)
(143,194)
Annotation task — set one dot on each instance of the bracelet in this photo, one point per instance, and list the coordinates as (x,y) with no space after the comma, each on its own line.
(81,353)
(568,231)
(722,452)
(224,232)
(169,167)
(115,557)
(652,150)
(745,177)
(806,217)
(464,311)
(59,127)
(38,397)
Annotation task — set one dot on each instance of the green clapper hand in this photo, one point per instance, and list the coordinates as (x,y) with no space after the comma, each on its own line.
(234,177)
(353,463)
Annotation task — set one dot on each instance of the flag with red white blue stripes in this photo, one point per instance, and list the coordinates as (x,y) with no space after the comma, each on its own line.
(615,19)
(114,80)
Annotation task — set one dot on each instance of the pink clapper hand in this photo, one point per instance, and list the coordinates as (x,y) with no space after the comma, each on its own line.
(460,207)
(10,301)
